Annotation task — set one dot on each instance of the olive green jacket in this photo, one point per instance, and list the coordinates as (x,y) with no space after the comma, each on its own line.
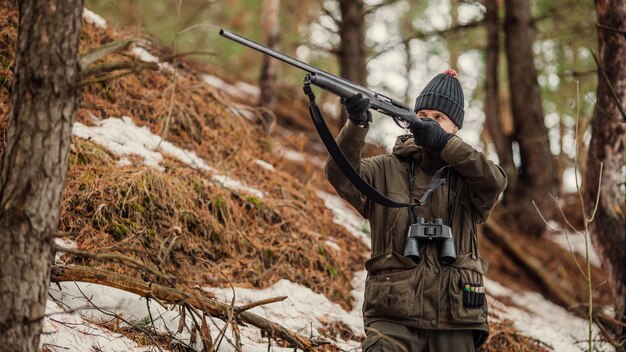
(425,295)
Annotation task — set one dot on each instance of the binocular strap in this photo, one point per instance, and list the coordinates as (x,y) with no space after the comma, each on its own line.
(435,182)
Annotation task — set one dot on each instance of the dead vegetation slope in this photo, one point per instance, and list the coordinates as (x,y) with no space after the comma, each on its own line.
(179,221)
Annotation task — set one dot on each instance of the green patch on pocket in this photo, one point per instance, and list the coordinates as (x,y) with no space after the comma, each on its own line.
(465,277)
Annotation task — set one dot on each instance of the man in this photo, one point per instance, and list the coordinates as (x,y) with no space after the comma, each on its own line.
(422,304)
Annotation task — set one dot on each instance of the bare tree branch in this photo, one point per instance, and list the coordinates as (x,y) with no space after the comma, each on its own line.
(375,8)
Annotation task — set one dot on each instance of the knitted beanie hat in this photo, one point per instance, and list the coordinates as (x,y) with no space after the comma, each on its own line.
(443,93)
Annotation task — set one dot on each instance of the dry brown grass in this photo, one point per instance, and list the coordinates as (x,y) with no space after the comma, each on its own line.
(504,337)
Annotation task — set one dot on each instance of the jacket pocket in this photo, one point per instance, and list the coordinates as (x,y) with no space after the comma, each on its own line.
(391,295)
(372,343)
(467,303)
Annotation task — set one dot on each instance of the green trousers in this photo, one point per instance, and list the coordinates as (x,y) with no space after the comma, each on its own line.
(385,336)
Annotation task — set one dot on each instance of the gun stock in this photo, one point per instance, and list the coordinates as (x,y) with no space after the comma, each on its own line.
(332,83)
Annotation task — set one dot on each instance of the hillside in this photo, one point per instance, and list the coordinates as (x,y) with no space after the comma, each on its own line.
(175,180)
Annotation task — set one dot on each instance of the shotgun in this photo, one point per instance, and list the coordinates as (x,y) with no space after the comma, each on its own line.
(334,84)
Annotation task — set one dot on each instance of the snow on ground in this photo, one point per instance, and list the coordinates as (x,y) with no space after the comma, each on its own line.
(63,243)
(542,319)
(293,155)
(69,332)
(239,90)
(264,164)
(93,18)
(230,183)
(303,309)
(333,245)
(122,137)
(345,216)
(144,55)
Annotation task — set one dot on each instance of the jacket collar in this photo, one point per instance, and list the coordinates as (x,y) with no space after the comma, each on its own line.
(406,150)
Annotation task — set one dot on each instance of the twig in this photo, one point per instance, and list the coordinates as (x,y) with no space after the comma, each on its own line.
(113,257)
(98,53)
(563,215)
(134,65)
(374,8)
(613,29)
(259,303)
(106,78)
(237,333)
(608,82)
(593,213)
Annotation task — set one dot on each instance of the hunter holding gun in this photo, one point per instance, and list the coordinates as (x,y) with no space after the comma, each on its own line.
(424,290)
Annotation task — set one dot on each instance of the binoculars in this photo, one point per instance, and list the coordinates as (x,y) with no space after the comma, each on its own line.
(435,231)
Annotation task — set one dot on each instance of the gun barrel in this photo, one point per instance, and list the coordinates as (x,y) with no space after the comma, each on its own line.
(273,53)
(333,83)
(291,61)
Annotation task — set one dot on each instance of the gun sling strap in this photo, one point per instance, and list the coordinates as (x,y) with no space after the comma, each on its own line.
(335,152)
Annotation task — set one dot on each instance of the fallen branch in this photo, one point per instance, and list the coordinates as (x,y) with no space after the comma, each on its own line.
(115,257)
(98,53)
(170,295)
(498,235)
(114,66)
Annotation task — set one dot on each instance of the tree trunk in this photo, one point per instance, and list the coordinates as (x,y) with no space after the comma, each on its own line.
(352,56)
(500,141)
(537,175)
(607,147)
(453,43)
(43,100)
(271,31)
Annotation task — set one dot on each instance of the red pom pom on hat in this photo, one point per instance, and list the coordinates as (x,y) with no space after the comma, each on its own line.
(450,72)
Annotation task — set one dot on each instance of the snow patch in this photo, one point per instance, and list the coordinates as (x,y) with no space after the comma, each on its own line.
(543,320)
(239,90)
(302,309)
(145,56)
(344,215)
(333,245)
(93,18)
(63,243)
(230,183)
(293,155)
(70,332)
(575,242)
(123,138)
(264,164)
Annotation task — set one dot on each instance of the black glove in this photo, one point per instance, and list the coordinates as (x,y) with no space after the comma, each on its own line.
(358,109)
(428,134)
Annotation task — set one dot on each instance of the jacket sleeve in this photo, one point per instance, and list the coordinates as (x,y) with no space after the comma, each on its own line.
(351,140)
(486,179)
